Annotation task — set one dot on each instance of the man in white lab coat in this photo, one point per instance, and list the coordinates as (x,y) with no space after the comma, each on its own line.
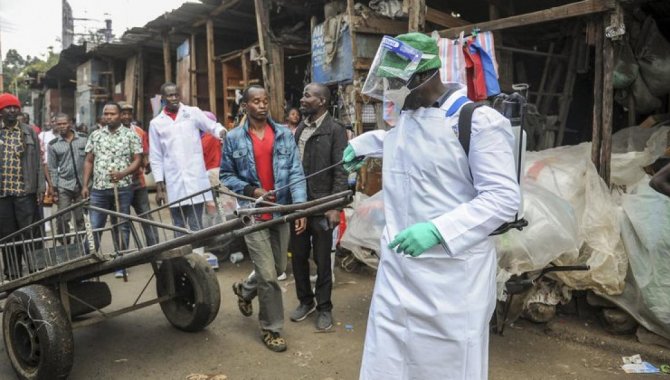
(175,155)
(435,289)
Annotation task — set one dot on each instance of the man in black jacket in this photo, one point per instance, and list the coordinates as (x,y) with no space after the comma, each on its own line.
(321,141)
(21,182)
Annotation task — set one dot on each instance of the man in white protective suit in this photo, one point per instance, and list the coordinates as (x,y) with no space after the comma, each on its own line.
(435,289)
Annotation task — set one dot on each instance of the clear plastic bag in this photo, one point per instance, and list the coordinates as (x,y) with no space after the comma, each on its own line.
(364,229)
(645,229)
(551,233)
(569,173)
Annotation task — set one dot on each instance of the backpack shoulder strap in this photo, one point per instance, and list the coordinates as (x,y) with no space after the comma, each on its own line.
(465,125)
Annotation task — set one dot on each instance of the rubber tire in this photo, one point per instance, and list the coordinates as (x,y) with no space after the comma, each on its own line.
(198,296)
(52,341)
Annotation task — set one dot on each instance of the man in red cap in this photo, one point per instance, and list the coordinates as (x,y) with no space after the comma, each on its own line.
(21,179)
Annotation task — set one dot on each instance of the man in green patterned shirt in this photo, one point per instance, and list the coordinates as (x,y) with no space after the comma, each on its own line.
(113,154)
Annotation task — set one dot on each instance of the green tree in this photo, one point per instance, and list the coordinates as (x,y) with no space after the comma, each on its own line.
(17,70)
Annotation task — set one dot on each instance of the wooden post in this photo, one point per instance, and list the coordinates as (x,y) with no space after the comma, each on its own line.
(358,105)
(60,96)
(566,98)
(211,70)
(167,60)
(597,95)
(245,69)
(193,72)
(140,88)
(273,63)
(608,105)
(417,15)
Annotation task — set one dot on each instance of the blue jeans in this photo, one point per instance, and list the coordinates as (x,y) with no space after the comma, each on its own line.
(183,215)
(105,199)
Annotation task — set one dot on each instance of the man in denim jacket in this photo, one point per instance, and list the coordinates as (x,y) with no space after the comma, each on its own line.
(260,156)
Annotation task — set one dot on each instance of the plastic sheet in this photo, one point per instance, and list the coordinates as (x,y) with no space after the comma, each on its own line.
(364,228)
(634,148)
(569,173)
(551,233)
(645,229)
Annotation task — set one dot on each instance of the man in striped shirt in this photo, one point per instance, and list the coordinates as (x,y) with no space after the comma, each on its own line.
(65,161)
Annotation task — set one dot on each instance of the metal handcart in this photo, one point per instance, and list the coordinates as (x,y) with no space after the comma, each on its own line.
(51,285)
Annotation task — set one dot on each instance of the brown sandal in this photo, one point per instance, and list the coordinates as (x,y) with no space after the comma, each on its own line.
(274,341)
(245,306)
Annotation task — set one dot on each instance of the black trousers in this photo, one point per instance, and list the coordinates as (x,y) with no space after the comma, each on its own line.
(15,214)
(318,240)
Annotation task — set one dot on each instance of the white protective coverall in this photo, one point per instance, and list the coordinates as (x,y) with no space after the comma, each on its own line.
(175,152)
(429,316)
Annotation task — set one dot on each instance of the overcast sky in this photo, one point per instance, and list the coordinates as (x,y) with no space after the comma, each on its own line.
(30,26)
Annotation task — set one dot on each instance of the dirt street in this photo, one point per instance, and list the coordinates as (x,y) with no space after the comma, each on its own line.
(143,345)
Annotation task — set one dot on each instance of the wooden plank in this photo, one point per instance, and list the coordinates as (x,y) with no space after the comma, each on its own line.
(376,25)
(355,88)
(530,52)
(545,72)
(211,70)
(129,80)
(580,8)
(193,96)
(225,4)
(444,19)
(608,108)
(245,69)
(597,95)
(167,60)
(273,64)
(566,99)
(140,88)
(417,16)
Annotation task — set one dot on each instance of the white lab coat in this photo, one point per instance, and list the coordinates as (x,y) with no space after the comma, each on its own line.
(175,152)
(429,315)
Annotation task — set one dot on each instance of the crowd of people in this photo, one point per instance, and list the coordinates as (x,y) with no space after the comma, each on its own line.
(435,285)
(187,151)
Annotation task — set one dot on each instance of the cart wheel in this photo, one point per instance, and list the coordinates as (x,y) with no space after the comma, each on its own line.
(197,295)
(38,334)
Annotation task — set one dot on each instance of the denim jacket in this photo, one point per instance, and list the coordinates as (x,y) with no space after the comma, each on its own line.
(238,166)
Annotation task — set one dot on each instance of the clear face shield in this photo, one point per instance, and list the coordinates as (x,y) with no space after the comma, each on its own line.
(391,72)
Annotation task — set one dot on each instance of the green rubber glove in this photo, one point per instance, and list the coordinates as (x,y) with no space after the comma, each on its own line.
(416,239)
(351,162)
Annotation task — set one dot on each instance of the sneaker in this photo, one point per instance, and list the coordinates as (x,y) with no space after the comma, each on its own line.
(324,320)
(119,273)
(245,306)
(273,341)
(302,311)
(282,277)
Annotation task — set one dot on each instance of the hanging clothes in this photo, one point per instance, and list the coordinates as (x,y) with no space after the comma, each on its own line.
(488,67)
(476,82)
(480,53)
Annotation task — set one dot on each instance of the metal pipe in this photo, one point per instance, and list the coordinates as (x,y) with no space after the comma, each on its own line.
(305,178)
(282,219)
(140,220)
(145,255)
(293,207)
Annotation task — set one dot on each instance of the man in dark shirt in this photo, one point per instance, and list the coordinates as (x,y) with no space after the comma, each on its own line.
(321,141)
(66,166)
(21,179)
